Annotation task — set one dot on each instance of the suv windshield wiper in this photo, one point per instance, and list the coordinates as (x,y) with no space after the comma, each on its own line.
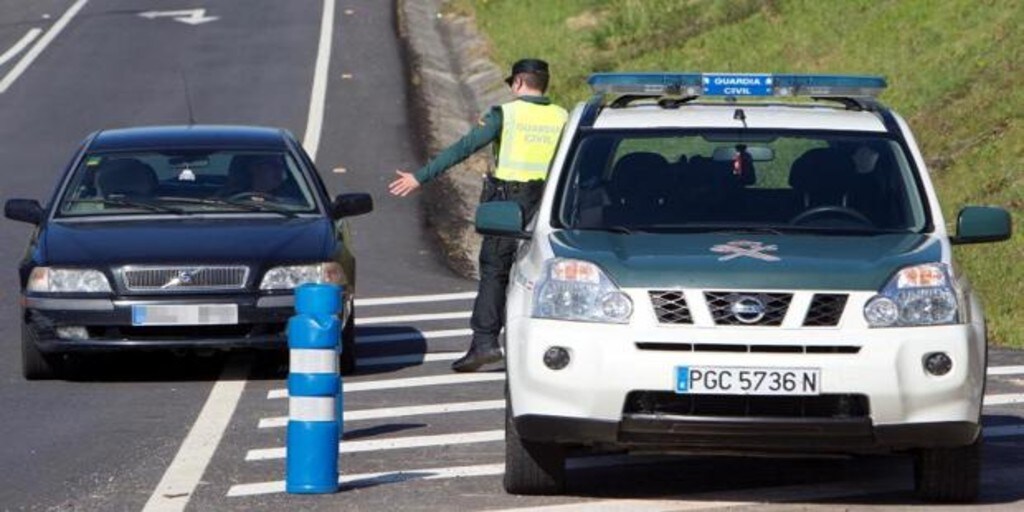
(238,205)
(130,203)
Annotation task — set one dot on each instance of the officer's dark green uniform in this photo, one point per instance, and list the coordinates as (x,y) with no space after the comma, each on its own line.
(525,133)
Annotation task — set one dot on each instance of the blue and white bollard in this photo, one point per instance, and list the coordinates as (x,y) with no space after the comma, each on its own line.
(314,391)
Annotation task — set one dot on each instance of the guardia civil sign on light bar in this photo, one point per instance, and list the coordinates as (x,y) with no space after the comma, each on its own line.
(737,85)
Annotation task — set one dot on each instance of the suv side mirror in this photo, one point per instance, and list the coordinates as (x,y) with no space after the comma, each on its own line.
(24,210)
(350,205)
(980,224)
(501,218)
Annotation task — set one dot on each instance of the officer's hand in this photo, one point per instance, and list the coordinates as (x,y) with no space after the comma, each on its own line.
(404,184)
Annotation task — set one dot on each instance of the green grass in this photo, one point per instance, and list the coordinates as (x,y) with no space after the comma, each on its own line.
(954,69)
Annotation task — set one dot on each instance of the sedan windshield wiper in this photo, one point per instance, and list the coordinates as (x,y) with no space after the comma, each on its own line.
(238,205)
(130,203)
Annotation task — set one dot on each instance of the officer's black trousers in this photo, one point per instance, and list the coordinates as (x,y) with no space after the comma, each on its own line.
(496,257)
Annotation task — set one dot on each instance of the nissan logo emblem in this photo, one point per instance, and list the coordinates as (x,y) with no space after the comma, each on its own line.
(748,309)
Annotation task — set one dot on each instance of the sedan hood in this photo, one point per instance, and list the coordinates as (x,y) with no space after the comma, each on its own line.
(187,240)
(742,261)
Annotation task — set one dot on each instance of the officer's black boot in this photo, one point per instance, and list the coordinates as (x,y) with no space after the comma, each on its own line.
(481,352)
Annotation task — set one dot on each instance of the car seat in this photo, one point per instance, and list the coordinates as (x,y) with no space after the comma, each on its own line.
(822,176)
(126,177)
(640,187)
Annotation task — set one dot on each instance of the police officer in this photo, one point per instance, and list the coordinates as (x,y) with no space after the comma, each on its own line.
(525,133)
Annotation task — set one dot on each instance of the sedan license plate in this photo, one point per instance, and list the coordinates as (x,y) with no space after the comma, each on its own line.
(191,314)
(712,380)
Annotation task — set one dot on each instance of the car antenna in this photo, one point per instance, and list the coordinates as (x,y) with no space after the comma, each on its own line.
(741,116)
(188,99)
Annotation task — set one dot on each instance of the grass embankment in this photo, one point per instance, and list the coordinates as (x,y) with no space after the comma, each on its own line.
(954,70)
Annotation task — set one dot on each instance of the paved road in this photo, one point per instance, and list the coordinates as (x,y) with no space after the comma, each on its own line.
(416,437)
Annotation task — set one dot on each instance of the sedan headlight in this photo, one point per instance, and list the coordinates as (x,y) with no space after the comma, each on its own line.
(290,277)
(915,296)
(579,290)
(67,280)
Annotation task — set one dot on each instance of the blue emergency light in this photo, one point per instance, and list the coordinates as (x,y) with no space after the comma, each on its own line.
(736,84)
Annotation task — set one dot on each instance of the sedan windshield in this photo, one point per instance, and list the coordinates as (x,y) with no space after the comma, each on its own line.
(186,182)
(780,181)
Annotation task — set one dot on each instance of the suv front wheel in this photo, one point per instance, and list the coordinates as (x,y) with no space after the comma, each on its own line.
(530,467)
(948,475)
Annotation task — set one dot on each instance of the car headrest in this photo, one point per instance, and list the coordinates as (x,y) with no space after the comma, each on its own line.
(635,165)
(821,170)
(126,176)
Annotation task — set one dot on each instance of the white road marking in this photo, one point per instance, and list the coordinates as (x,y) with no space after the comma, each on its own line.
(1006,399)
(400,412)
(365,479)
(413,336)
(188,16)
(25,40)
(189,464)
(396,443)
(41,45)
(376,320)
(415,299)
(318,96)
(1005,370)
(408,359)
(409,382)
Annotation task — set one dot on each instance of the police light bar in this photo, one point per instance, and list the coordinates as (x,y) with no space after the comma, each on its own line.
(736,84)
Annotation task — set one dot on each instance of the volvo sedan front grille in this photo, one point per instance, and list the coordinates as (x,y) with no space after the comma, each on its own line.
(185,278)
(748,308)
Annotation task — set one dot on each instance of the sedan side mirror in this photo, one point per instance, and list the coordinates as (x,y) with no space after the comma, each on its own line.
(350,205)
(980,224)
(501,218)
(24,210)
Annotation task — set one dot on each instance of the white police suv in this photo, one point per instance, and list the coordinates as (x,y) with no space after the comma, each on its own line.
(742,264)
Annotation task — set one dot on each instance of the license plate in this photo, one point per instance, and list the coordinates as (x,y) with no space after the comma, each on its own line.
(712,380)
(192,314)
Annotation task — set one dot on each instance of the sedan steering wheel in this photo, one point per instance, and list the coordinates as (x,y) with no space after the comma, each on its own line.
(822,211)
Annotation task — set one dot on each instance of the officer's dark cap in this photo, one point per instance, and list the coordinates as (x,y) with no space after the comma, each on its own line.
(535,66)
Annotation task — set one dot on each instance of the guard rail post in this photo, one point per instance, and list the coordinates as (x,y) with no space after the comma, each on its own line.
(314,390)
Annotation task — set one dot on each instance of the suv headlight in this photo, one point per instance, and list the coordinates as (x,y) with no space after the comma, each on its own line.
(579,290)
(915,296)
(290,277)
(67,280)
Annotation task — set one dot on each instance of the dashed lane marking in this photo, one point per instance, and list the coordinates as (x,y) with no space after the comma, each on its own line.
(1006,399)
(25,40)
(414,299)
(413,336)
(400,412)
(1005,370)
(399,319)
(409,382)
(370,362)
(41,44)
(394,443)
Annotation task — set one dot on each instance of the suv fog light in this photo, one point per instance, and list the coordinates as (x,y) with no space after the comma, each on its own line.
(72,332)
(937,363)
(556,358)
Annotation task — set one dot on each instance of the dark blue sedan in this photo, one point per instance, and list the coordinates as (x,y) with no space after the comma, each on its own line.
(188,237)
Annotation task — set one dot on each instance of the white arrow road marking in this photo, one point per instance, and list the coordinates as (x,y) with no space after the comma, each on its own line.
(188,16)
(41,45)
(26,40)
(396,443)
(411,382)
(400,412)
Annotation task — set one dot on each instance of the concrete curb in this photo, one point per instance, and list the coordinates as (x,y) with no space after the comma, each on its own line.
(452,84)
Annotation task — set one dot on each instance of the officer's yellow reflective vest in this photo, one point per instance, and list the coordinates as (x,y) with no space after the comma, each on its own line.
(529,137)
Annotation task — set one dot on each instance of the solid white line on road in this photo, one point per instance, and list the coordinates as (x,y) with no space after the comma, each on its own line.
(412,336)
(367,479)
(409,382)
(408,359)
(318,96)
(1005,370)
(189,464)
(1004,431)
(413,318)
(40,45)
(1006,399)
(396,443)
(399,412)
(26,40)
(414,299)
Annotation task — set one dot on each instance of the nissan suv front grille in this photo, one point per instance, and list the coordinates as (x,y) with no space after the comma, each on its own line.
(748,308)
(670,306)
(826,310)
(184,278)
(818,406)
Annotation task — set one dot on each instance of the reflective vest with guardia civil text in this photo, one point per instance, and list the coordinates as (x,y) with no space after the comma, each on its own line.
(529,138)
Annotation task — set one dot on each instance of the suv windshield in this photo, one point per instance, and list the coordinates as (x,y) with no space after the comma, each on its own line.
(186,182)
(626,181)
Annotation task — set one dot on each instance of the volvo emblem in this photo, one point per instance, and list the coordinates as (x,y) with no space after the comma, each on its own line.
(748,309)
(183,277)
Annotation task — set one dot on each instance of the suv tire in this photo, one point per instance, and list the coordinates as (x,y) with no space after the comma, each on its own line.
(531,468)
(948,475)
(35,365)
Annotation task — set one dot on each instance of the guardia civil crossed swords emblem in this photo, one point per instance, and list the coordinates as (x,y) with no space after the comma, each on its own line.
(745,248)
